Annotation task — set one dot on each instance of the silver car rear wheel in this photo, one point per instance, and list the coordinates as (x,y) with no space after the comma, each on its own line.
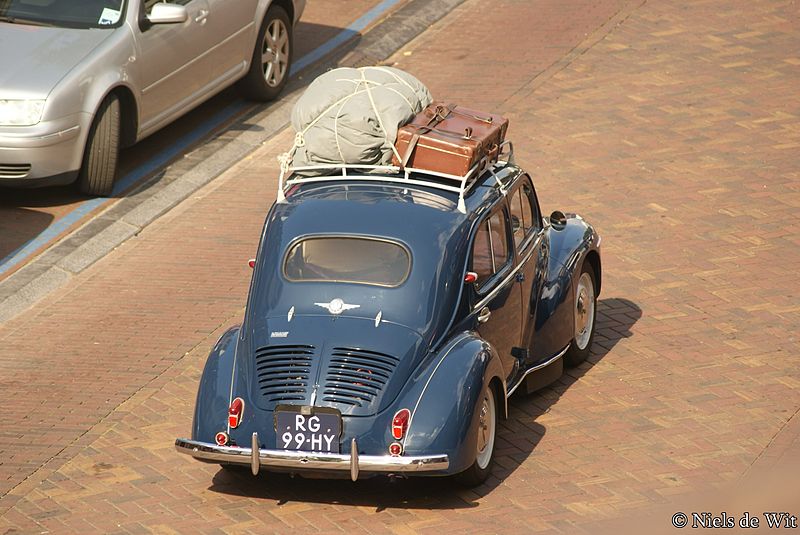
(275,52)
(272,57)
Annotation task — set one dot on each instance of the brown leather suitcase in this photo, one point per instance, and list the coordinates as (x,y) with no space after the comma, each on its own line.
(450,139)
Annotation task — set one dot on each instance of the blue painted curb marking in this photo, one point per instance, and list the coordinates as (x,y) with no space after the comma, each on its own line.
(160,159)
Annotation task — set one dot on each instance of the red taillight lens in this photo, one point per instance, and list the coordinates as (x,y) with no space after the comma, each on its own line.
(395,449)
(400,423)
(221,438)
(470,277)
(251,262)
(235,413)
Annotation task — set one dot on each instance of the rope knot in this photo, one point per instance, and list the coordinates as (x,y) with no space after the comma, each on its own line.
(299,140)
(285,160)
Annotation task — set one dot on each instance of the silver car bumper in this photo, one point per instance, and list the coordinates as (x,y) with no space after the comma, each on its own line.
(301,460)
(47,149)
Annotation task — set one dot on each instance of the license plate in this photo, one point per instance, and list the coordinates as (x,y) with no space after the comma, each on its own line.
(308,429)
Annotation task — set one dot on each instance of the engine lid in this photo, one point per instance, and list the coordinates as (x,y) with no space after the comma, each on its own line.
(352,364)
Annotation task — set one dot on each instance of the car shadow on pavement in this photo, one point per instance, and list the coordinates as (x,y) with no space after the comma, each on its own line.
(18,226)
(517,439)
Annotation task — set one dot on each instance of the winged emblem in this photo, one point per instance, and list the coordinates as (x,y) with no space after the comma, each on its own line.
(336,306)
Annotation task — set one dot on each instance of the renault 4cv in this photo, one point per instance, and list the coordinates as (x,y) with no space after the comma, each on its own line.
(391,314)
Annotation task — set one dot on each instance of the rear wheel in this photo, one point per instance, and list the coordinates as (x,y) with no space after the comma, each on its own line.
(487,431)
(99,167)
(584,311)
(272,57)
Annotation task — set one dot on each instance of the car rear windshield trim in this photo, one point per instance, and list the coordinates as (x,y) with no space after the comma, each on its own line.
(347,259)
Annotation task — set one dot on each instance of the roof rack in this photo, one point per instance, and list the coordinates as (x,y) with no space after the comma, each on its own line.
(421,177)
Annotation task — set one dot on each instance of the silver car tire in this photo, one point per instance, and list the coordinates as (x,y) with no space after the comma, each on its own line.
(485,441)
(99,168)
(272,57)
(584,311)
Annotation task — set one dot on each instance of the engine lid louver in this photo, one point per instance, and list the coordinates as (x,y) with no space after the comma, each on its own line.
(355,377)
(283,372)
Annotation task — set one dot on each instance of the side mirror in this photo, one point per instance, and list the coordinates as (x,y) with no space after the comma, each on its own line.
(558,220)
(163,13)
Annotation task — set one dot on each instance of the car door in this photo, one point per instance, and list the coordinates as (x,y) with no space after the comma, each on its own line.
(532,253)
(231,36)
(173,64)
(496,298)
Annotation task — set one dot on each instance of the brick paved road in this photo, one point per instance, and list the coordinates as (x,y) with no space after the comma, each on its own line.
(673,126)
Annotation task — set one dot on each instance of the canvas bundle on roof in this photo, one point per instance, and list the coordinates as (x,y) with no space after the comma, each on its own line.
(351,116)
(347,124)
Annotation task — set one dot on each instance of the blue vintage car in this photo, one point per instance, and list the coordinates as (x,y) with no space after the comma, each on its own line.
(390,316)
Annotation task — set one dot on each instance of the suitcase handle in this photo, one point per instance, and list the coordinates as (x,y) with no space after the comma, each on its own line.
(440,113)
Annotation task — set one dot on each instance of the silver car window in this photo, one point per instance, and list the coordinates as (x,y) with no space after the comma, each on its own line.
(64,13)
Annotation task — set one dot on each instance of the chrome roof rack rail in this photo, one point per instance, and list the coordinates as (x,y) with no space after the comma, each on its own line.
(392,174)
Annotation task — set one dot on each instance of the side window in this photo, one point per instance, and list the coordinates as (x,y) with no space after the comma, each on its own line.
(482,254)
(490,250)
(520,217)
(524,216)
(497,229)
(530,204)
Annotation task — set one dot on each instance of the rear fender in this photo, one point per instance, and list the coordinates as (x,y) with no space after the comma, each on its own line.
(444,417)
(213,394)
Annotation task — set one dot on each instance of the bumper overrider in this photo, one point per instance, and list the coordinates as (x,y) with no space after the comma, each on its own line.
(302,460)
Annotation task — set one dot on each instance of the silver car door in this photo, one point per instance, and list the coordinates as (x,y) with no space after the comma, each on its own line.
(174,65)
(230,36)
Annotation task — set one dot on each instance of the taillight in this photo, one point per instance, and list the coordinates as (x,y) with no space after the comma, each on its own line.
(395,449)
(251,262)
(470,277)
(235,413)
(221,438)
(400,423)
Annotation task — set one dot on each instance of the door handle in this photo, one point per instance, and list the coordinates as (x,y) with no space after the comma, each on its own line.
(484,314)
(201,16)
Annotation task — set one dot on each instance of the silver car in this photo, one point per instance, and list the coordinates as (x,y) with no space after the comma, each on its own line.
(79,79)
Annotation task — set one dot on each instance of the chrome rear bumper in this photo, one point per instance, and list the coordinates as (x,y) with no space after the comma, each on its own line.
(303,460)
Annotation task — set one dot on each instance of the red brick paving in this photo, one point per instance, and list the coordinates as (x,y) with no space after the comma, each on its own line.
(673,127)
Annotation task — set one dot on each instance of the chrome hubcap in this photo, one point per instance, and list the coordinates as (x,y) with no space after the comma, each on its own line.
(486,430)
(584,311)
(275,52)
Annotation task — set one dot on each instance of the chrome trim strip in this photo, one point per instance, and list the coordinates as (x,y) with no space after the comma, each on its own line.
(538,367)
(303,460)
(61,135)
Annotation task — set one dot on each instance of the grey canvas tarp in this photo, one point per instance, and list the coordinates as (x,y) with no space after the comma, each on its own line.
(351,116)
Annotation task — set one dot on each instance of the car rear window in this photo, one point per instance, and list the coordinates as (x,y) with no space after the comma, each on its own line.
(348,259)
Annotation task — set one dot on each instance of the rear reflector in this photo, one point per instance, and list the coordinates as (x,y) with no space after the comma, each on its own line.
(221,438)
(235,413)
(470,277)
(251,262)
(395,449)
(400,423)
